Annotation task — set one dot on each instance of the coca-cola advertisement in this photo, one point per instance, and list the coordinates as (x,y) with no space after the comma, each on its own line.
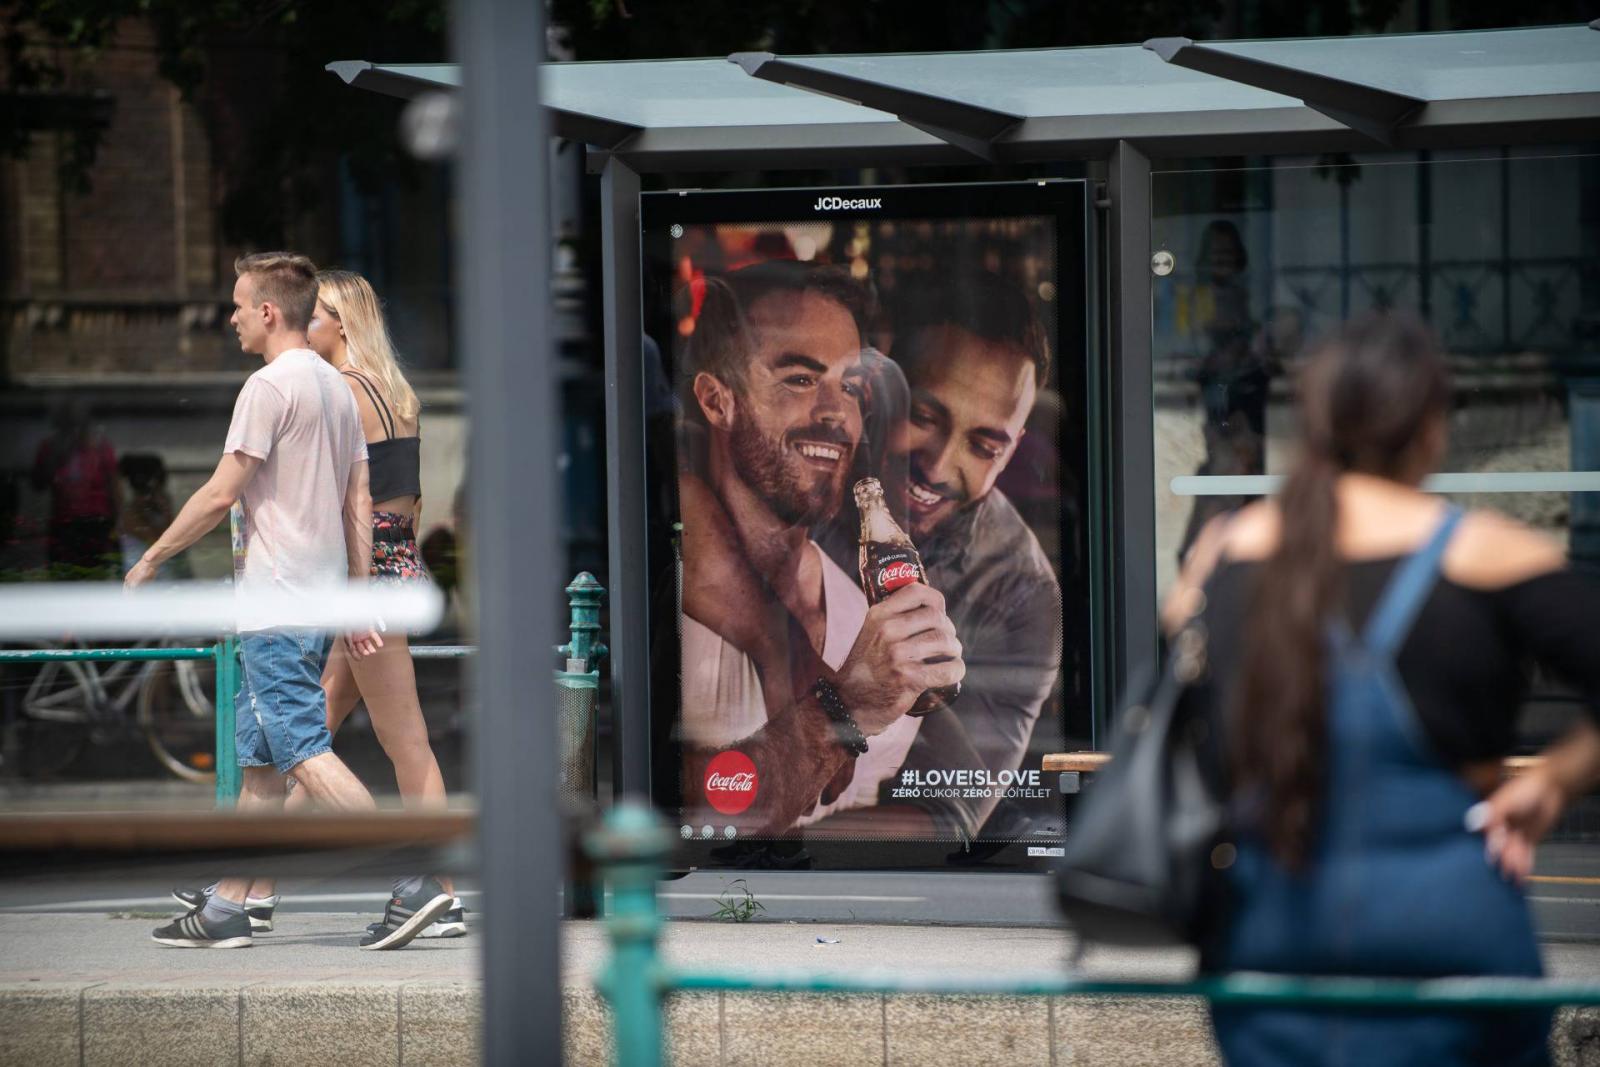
(868,458)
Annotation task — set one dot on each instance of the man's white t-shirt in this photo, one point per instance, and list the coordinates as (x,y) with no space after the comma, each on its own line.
(723,701)
(298,417)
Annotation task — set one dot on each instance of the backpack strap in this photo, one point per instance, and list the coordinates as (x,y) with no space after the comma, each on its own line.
(1408,589)
(377,401)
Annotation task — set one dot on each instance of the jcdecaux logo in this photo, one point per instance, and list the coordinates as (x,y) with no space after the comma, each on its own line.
(839,203)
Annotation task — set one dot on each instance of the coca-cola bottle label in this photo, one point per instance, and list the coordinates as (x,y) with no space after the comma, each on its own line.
(731,780)
(894,569)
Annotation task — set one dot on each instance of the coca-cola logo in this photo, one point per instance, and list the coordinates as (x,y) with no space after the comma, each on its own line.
(730,782)
(897,574)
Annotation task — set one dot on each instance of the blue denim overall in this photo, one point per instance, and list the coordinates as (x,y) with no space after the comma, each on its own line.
(1395,885)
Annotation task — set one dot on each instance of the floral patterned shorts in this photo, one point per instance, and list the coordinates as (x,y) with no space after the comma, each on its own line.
(394,549)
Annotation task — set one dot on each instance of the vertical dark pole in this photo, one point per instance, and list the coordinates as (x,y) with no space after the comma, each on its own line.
(1505,252)
(625,507)
(505,330)
(1425,174)
(1344,243)
(1133,417)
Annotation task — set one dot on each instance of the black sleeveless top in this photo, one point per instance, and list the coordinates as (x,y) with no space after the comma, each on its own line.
(394,465)
(1467,661)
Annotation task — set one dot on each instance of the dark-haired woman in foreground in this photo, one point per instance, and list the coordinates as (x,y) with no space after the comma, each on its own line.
(1367,649)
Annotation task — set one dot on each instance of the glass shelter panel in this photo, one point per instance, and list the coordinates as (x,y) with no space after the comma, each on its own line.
(1499,250)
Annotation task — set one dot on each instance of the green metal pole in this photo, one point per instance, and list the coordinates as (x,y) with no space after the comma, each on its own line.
(629,849)
(583,601)
(581,678)
(226,660)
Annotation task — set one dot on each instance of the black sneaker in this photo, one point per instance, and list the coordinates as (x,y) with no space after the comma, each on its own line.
(194,931)
(407,916)
(452,923)
(258,908)
(194,899)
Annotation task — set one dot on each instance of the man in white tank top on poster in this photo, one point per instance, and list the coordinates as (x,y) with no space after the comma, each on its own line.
(794,698)
(295,459)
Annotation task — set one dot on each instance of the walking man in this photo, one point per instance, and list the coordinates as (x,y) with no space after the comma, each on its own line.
(296,461)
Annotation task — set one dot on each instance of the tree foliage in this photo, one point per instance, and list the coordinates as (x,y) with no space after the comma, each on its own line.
(255,67)
(255,72)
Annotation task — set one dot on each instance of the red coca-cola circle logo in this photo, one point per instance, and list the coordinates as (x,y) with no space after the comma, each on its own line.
(730,782)
(897,574)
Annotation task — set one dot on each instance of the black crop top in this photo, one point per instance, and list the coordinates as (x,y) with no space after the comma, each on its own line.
(394,465)
(1466,663)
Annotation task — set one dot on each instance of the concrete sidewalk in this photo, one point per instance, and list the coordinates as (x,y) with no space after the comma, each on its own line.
(93,989)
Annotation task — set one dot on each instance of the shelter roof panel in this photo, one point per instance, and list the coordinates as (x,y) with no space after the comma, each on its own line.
(691,93)
(1054,82)
(1468,65)
(1539,85)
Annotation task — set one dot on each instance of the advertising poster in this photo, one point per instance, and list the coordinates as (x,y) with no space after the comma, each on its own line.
(874,619)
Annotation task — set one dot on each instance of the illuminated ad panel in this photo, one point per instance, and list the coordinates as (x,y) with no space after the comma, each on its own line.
(868,465)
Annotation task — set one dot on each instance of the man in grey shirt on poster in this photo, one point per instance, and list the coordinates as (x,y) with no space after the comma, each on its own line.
(296,460)
(974,355)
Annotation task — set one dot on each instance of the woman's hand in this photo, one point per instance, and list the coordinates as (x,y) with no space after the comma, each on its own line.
(1521,812)
(1516,817)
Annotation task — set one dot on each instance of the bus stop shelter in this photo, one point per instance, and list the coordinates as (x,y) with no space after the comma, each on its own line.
(1121,111)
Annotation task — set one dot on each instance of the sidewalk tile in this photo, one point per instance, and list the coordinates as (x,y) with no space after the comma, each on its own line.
(1575,1037)
(1003,1031)
(39,1024)
(441,1024)
(173,1025)
(799,1030)
(586,1026)
(322,1023)
(694,1029)
(1100,1031)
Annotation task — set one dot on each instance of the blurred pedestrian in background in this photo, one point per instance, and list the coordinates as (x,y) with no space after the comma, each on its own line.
(146,511)
(1367,646)
(77,466)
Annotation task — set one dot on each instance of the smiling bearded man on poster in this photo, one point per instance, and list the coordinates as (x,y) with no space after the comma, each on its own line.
(793,698)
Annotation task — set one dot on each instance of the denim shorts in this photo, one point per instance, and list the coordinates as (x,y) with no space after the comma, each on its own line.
(281,714)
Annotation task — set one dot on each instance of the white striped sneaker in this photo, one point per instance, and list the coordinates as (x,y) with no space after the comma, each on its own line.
(193,931)
(407,916)
(452,923)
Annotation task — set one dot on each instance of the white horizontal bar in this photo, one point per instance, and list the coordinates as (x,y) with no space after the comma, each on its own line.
(104,610)
(1488,482)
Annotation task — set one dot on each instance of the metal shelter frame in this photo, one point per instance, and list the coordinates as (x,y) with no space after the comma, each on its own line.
(1123,109)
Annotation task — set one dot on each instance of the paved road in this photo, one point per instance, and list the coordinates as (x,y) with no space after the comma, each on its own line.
(1566,896)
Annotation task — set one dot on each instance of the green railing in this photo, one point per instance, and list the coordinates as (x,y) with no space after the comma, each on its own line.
(583,651)
(224,656)
(630,851)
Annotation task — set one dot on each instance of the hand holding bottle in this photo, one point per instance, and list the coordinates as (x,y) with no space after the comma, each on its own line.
(907,646)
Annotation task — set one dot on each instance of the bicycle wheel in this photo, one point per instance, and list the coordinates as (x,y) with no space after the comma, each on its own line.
(177,713)
(50,723)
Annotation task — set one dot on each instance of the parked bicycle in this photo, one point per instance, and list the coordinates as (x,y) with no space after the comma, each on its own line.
(54,710)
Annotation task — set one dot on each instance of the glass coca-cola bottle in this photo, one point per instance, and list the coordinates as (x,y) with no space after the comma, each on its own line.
(888,561)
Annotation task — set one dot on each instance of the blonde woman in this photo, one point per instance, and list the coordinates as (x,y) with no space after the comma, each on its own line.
(348,330)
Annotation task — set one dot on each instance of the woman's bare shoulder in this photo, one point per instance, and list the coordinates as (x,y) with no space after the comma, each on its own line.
(372,427)
(1493,551)
(1249,533)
